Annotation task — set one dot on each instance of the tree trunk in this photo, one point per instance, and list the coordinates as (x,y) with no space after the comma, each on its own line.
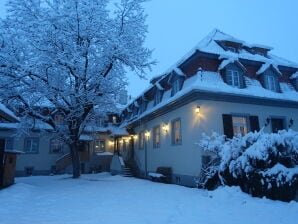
(74,149)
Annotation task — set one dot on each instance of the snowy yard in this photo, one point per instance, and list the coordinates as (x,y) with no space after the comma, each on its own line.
(101,198)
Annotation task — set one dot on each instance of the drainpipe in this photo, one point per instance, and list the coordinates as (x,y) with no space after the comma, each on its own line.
(146,158)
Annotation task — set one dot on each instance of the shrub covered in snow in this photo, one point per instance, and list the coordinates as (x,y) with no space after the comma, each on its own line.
(261,164)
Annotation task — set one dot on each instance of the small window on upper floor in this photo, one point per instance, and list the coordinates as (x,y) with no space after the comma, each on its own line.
(176,86)
(234,78)
(143,106)
(158,97)
(271,82)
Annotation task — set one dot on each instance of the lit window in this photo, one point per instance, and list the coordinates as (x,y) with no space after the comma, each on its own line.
(114,119)
(233,78)
(99,145)
(156,137)
(176,132)
(56,145)
(31,145)
(271,82)
(239,125)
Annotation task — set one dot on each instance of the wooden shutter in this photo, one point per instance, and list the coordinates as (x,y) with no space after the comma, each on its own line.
(254,123)
(228,125)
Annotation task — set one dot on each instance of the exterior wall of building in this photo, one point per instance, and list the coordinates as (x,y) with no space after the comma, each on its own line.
(42,161)
(185,159)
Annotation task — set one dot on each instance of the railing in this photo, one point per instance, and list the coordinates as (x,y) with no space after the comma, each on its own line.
(66,160)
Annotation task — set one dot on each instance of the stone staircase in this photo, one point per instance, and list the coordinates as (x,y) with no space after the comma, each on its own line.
(126,172)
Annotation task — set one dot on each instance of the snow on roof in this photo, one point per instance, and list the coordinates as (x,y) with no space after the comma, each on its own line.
(294,76)
(212,82)
(266,66)
(157,84)
(84,137)
(5,110)
(258,46)
(228,61)
(178,71)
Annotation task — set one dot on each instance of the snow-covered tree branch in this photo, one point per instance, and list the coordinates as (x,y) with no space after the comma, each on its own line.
(70,56)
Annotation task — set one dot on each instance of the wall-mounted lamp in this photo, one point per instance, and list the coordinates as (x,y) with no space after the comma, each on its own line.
(198,108)
(267,121)
(165,128)
(291,122)
(147,134)
(111,143)
(135,137)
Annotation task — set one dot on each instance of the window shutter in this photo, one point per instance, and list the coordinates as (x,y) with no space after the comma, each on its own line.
(228,125)
(254,123)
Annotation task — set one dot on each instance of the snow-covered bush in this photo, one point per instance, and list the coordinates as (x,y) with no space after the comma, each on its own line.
(261,164)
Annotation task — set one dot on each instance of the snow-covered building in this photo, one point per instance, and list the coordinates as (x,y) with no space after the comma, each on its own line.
(43,152)
(223,84)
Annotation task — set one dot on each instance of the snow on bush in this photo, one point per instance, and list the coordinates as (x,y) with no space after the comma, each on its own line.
(263,164)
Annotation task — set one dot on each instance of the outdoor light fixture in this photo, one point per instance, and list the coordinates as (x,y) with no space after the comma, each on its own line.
(198,109)
(147,134)
(291,122)
(165,128)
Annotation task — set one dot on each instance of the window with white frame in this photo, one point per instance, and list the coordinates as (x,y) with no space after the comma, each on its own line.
(156,137)
(233,78)
(56,145)
(31,145)
(158,97)
(240,125)
(271,83)
(176,132)
(176,86)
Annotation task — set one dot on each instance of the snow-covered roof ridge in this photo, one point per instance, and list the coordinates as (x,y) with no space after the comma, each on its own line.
(266,66)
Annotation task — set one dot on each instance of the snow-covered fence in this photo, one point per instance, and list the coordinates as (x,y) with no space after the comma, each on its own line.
(262,164)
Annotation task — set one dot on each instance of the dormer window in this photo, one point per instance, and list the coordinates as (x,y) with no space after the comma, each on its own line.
(158,97)
(233,78)
(271,83)
(176,86)
(143,106)
(232,72)
(269,76)
(294,80)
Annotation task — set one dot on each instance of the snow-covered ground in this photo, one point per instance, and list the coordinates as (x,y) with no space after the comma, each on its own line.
(101,198)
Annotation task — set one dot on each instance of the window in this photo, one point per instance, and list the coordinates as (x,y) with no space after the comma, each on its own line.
(143,106)
(277,124)
(99,145)
(176,132)
(233,78)
(271,82)
(176,86)
(31,145)
(239,125)
(141,140)
(56,145)
(156,137)
(158,97)
(8,143)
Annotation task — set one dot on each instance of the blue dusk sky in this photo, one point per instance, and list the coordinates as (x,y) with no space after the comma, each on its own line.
(176,26)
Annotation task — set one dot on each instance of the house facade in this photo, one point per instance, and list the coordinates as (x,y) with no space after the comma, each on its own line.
(224,85)
(44,154)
